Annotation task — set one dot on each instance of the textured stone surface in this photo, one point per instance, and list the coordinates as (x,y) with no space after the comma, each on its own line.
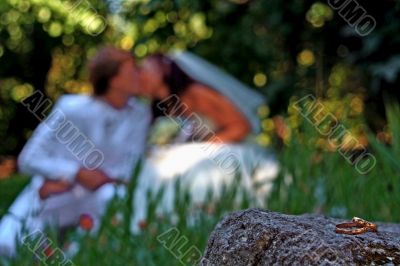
(258,237)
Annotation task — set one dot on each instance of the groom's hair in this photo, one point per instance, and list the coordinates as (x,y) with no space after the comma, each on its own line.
(105,65)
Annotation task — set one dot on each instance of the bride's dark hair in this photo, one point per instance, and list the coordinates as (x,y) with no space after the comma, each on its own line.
(174,77)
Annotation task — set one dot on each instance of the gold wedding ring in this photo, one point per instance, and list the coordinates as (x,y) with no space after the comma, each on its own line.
(356,226)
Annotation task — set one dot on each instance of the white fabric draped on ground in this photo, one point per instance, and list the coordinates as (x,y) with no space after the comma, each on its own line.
(202,167)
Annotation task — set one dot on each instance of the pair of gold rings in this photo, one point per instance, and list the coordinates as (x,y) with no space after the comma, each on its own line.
(355,227)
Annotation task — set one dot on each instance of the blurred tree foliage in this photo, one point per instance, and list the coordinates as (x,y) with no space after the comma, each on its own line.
(282,48)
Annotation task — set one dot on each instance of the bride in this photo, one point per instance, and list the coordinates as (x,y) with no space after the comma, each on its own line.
(206,121)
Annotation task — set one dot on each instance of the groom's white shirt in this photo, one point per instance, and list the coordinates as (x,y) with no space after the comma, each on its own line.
(119,135)
(84,131)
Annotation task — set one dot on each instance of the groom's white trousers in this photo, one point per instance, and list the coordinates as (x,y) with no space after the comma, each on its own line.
(29,213)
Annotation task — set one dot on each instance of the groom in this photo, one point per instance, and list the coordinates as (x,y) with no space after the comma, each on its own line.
(85,145)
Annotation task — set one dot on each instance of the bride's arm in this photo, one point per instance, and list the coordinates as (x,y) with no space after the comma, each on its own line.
(232,125)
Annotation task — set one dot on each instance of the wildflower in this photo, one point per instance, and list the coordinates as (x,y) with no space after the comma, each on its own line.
(86,222)
(48,251)
(142,225)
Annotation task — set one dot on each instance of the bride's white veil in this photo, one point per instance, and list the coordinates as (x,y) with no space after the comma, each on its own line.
(244,98)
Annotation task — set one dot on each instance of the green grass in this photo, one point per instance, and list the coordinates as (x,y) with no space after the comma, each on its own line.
(311,180)
(9,189)
(322,181)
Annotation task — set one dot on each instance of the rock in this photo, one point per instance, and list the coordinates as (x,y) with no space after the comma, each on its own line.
(258,237)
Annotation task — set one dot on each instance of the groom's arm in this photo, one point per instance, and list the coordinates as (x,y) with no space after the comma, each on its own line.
(41,154)
(45,154)
(90,179)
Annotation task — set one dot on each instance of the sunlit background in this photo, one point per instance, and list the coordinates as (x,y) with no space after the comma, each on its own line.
(283,49)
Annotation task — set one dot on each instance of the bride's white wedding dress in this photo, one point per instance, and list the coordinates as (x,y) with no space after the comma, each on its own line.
(200,173)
